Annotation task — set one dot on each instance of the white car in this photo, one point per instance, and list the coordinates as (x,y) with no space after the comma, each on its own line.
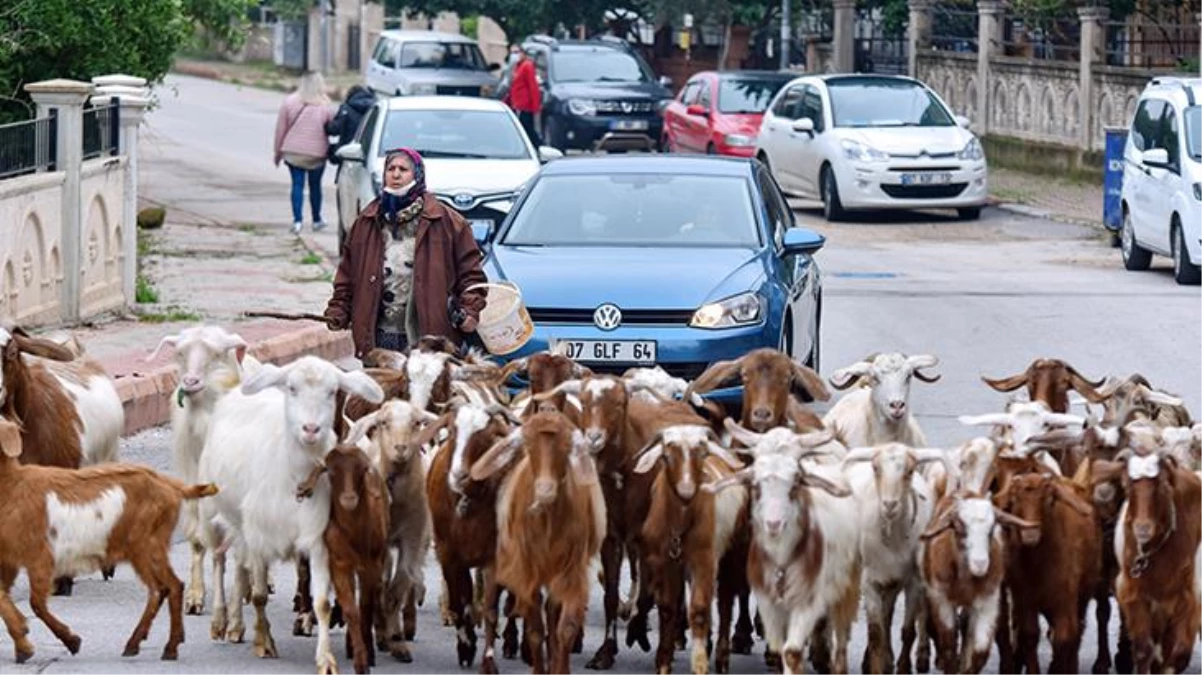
(1162,178)
(871,142)
(476,154)
(427,63)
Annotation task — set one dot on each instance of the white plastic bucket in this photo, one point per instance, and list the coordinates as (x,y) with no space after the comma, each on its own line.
(505,325)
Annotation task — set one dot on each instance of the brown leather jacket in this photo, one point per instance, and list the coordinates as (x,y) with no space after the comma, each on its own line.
(446,262)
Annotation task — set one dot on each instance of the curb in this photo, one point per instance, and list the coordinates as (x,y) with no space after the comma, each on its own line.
(147,398)
(1036,212)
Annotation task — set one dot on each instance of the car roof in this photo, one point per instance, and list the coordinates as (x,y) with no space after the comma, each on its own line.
(425,35)
(701,165)
(444,103)
(1185,90)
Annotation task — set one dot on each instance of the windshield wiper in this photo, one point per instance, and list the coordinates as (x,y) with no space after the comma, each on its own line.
(444,154)
(606,78)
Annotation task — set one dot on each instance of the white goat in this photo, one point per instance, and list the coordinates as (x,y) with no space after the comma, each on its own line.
(879,412)
(1022,422)
(895,505)
(209,361)
(263,442)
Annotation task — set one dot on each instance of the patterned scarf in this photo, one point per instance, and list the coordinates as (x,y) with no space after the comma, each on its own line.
(391,203)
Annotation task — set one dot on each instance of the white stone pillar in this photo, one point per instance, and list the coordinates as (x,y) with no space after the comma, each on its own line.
(918,33)
(845,36)
(989,44)
(1093,51)
(133,96)
(66,98)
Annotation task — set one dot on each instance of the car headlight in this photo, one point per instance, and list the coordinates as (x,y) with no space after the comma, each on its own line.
(582,106)
(739,310)
(422,89)
(862,152)
(973,151)
(1198,191)
(739,140)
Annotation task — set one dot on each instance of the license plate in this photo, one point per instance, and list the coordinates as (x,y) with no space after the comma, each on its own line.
(926,178)
(608,351)
(483,222)
(628,125)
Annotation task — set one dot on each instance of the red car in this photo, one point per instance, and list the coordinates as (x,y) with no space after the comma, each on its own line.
(719,113)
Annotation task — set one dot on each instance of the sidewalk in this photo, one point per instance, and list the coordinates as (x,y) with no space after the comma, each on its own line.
(261,74)
(1046,197)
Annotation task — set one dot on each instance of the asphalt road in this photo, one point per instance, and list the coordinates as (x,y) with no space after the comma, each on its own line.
(986,297)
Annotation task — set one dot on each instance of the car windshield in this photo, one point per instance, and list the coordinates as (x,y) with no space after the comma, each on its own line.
(1193,132)
(885,102)
(455,55)
(670,210)
(747,95)
(463,134)
(597,65)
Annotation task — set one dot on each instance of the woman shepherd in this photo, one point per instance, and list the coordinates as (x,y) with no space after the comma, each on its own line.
(408,266)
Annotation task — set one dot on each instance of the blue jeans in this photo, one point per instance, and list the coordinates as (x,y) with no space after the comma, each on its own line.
(298,191)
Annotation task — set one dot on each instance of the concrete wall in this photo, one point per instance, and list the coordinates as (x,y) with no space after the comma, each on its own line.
(103,256)
(30,260)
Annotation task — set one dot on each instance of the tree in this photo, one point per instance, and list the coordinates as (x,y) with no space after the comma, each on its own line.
(519,18)
(47,39)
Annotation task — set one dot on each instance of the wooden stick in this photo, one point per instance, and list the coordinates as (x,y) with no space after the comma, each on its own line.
(300,316)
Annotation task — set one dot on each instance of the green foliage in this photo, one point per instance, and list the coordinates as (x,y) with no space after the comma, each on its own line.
(223,21)
(292,10)
(172,315)
(470,26)
(311,258)
(144,290)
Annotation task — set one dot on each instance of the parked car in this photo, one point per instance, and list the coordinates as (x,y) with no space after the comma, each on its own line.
(1162,178)
(719,113)
(660,260)
(424,63)
(597,94)
(476,153)
(872,142)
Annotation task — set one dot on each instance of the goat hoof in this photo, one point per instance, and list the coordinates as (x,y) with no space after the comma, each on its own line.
(488,666)
(63,586)
(401,653)
(903,666)
(169,654)
(923,663)
(235,635)
(722,663)
(449,619)
(303,625)
(625,610)
(772,661)
(336,618)
(604,658)
(636,632)
(107,573)
(194,605)
(327,664)
(217,626)
(467,654)
(72,643)
(742,643)
(23,656)
(130,650)
(509,647)
(265,648)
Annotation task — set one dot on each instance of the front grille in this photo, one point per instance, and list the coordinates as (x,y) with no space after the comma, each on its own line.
(948,167)
(932,155)
(665,317)
(625,107)
(924,191)
(451,90)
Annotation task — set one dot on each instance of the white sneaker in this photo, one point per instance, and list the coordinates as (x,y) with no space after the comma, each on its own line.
(319,226)
(296,227)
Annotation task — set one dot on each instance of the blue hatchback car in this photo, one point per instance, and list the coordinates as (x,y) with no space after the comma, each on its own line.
(660,260)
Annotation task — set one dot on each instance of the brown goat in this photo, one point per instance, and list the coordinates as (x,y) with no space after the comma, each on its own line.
(1135,397)
(551,520)
(545,371)
(32,397)
(64,521)
(770,379)
(1049,380)
(1053,568)
(1157,539)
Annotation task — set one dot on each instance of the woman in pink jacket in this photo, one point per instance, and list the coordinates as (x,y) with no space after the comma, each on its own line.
(301,143)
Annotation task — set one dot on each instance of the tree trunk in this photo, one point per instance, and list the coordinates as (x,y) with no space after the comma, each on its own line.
(725,46)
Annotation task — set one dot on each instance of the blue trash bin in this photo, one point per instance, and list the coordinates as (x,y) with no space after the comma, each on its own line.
(1112,182)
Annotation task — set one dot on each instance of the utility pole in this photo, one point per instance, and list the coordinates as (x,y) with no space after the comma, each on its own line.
(785,20)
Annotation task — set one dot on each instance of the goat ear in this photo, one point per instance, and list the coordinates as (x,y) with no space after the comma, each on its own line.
(167,341)
(943,523)
(499,456)
(807,379)
(648,457)
(10,438)
(430,432)
(361,427)
(43,348)
(1069,496)
(814,481)
(845,377)
(268,375)
(744,476)
(724,455)
(512,368)
(714,376)
(1006,383)
(362,385)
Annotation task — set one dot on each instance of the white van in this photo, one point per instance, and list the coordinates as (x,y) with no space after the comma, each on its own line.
(428,63)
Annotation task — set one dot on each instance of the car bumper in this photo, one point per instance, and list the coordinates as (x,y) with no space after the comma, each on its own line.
(880,185)
(681,351)
(599,132)
(735,150)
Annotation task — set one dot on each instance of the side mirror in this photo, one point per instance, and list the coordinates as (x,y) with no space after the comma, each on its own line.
(351,152)
(547,153)
(665,81)
(481,232)
(1158,157)
(696,109)
(804,125)
(963,121)
(802,240)
(494,67)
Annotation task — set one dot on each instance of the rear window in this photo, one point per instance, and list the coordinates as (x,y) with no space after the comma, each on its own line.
(1193,132)
(748,96)
(885,102)
(597,65)
(453,55)
(636,210)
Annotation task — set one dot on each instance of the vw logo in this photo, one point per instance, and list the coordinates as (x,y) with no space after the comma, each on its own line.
(626,106)
(463,200)
(607,317)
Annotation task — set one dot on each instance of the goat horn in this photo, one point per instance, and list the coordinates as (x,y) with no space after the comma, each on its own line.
(565,387)
(171,340)
(845,377)
(860,455)
(503,411)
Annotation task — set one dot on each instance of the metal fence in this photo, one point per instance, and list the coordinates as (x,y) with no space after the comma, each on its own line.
(1049,38)
(352,47)
(880,46)
(954,28)
(1151,44)
(28,147)
(101,130)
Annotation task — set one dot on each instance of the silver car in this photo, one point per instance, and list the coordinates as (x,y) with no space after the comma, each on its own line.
(424,63)
(477,156)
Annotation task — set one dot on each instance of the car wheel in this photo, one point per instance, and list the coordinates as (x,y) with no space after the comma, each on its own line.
(1185,272)
(832,206)
(711,149)
(1135,257)
(969,213)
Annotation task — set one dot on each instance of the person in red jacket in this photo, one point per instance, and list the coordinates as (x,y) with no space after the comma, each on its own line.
(525,97)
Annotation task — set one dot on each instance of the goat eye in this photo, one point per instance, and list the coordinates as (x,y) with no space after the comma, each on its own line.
(292,390)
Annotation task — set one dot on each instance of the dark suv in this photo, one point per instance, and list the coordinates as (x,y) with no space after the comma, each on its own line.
(597,94)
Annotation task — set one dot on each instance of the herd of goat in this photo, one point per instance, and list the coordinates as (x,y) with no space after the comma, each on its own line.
(356,475)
